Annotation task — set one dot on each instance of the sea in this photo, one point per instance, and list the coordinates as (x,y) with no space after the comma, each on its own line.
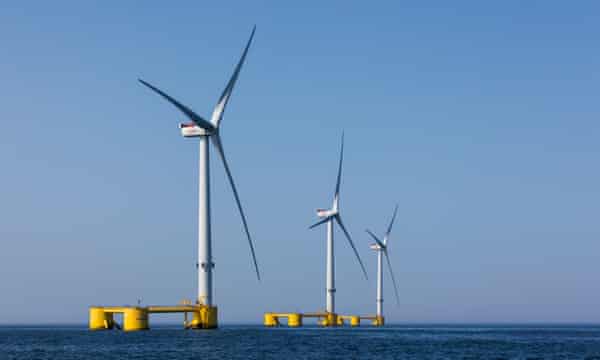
(257,342)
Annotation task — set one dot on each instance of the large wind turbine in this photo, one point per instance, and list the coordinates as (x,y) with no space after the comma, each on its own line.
(204,129)
(329,216)
(382,249)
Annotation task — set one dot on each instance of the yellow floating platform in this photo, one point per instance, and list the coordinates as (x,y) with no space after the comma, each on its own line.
(323,318)
(137,318)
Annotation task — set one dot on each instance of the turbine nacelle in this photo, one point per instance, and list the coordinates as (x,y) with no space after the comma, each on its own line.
(324,213)
(192,130)
(376,247)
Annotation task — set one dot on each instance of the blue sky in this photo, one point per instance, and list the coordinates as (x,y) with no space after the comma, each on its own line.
(479,119)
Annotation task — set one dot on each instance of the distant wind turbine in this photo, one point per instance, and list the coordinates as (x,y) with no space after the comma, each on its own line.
(329,216)
(382,249)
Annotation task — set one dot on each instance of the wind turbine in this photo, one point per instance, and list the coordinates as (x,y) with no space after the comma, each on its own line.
(204,129)
(382,249)
(329,216)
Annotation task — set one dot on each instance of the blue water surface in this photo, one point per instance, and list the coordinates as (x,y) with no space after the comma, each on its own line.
(257,342)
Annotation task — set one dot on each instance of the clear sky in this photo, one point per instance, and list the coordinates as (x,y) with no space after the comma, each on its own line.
(480,119)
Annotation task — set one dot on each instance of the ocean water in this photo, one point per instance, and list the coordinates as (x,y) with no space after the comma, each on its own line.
(257,342)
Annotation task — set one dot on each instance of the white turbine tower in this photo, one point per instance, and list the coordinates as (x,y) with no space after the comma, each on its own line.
(382,249)
(204,129)
(328,216)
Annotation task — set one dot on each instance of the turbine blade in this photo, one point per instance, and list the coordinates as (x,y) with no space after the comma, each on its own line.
(319,222)
(339,175)
(197,119)
(339,221)
(389,229)
(376,239)
(219,146)
(226,95)
(387,258)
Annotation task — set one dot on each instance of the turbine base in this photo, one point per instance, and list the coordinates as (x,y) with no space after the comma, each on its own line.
(324,319)
(378,321)
(205,318)
(332,320)
(136,318)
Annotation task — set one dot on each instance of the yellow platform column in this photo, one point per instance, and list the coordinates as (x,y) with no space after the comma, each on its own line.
(295,320)
(354,321)
(378,321)
(271,320)
(135,318)
(100,320)
(211,317)
(205,318)
(340,321)
(331,319)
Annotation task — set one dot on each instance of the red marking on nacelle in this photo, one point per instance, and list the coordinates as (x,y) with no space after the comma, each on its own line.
(186,125)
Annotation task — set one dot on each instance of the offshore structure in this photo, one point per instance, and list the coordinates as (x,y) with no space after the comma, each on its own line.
(329,317)
(382,250)
(203,310)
